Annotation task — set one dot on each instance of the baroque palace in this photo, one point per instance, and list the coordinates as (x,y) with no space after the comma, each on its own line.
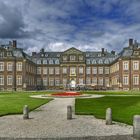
(57,70)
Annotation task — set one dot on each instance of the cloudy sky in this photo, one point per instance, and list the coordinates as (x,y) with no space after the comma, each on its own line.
(57,25)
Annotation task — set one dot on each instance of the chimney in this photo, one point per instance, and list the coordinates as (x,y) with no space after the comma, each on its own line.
(33,53)
(113,52)
(103,50)
(130,42)
(14,44)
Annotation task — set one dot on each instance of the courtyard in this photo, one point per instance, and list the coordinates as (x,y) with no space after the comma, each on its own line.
(48,115)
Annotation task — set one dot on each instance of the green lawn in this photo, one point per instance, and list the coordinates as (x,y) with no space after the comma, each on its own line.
(12,103)
(123,108)
(112,92)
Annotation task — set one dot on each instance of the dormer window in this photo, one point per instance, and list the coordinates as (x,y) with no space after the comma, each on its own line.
(87,55)
(100,61)
(136,52)
(58,55)
(99,55)
(57,61)
(42,55)
(44,61)
(51,61)
(93,61)
(9,54)
(88,61)
(38,61)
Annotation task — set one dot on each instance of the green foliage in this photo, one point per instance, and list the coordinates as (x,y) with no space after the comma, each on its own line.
(123,108)
(12,103)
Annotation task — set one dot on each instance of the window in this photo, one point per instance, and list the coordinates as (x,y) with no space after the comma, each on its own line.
(107,82)
(57,70)
(64,58)
(64,70)
(45,81)
(9,53)
(100,70)
(88,80)
(81,81)
(57,61)
(1,54)
(19,66)
(88,70)
(88,61)
(106,61)
(51,61)
(1,80)
(94,70)
(51,70)
(94,61)
(64,81)
(100,61)
(80,58)
(135,65)
(44,61)
(73,70)
(19,80)
(125,80)
(72,57)
(136,80)
(81,70)
(38,81)
(38,61)
(57,82)
(1,66)
(106,70)
(101,81)
(9,80)
(125,65)
(38,70)
(94,80)
(9,66)
(45,70)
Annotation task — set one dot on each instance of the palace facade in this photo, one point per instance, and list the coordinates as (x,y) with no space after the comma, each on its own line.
(56,70)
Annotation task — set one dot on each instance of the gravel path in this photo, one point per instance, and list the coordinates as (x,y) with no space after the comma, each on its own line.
(50,121)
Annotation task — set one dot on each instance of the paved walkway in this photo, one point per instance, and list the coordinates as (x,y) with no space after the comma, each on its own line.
(50,121)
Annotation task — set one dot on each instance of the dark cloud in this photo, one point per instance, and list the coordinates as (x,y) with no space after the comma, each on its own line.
(11,24)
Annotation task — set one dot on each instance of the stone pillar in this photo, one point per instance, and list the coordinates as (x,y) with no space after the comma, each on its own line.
(108,116)
(69,112)
(25,112)
(136,126)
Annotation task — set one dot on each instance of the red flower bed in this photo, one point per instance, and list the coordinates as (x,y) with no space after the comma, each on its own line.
(66,94)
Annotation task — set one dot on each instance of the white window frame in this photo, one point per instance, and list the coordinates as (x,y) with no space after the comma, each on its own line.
(9,80)
(9,66)
(1,79)
(125,65)
(19,66)
(19,79)
(1,66)
(135,65)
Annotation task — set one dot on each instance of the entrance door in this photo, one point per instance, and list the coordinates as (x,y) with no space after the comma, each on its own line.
(73,84)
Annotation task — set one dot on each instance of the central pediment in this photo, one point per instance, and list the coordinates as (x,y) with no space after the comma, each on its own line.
(72,51)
